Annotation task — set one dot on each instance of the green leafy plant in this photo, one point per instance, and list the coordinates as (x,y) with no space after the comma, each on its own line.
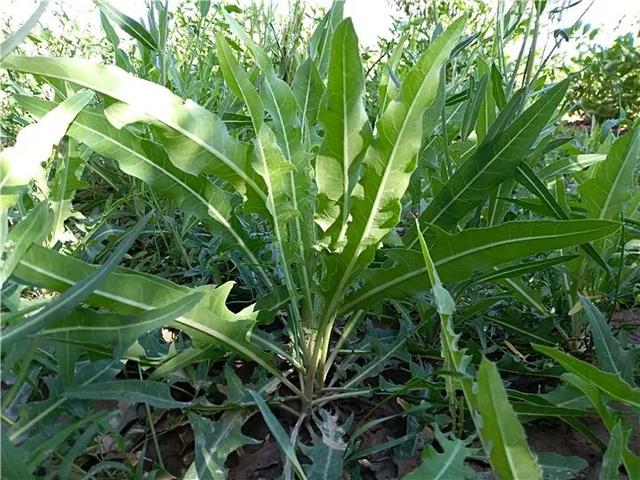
(311,194)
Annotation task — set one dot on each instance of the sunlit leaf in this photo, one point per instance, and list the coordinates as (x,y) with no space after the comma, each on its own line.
(22,162)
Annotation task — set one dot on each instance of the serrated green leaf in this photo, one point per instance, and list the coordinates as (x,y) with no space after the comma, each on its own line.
(281,104)
(128,291)
(327,452)
(67,180)
(444,302)
(270,163)
(447,465)
(215,441)
(509,454)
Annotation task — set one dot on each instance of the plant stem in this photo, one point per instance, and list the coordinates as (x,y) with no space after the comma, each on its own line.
(352,323)
(532,50)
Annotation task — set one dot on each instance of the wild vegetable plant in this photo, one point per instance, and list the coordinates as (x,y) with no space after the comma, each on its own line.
(313,200)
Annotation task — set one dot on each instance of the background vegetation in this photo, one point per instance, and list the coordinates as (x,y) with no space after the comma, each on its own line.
(242,246)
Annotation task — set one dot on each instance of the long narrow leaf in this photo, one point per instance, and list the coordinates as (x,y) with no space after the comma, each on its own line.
(147,161)
(347,132)
(388,165)
(67,301)
(119,331)
(494,162)
(531,182)
(510,456)
(22,162)
(32,229)
(128,24)
(278,433)
(128,291)
(12,42)
(197,140)
(282,106)
(609,383)
(458,256)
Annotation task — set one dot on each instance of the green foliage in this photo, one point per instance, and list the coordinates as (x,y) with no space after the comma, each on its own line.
(316,221)
(608,80)
(448,464)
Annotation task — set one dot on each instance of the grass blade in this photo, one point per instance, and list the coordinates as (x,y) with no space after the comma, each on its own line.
(278,433)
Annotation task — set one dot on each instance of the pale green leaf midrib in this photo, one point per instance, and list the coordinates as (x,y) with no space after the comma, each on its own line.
(451,258)
(485,167)
(635,141)
(143,306)
(500,430)
(345,147)
(452,456)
